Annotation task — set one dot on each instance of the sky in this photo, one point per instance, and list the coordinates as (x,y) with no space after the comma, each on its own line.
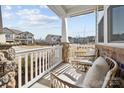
(40,21)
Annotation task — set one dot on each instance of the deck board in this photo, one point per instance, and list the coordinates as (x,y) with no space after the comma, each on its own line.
(44,82)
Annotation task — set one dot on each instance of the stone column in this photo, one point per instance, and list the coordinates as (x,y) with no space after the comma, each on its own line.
(7,67)
(65,52)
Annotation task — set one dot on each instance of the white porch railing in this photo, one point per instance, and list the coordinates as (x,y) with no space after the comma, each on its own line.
(34,63)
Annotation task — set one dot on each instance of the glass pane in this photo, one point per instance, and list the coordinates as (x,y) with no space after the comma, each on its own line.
(101,31)
(117,24)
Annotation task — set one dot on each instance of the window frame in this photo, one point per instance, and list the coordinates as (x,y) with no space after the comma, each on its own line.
(110,23)
(102,19)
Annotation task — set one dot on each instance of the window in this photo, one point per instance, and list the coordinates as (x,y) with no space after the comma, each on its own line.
(101,30)
(116,24)
(8,36)
(29,37)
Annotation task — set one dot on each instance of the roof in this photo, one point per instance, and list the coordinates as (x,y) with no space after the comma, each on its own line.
(26,33)
(16,31)
(73,10)
(51,35)
(13,30)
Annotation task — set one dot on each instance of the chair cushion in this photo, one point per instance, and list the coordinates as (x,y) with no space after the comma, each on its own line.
(73,76)
(66,78)
(96,74)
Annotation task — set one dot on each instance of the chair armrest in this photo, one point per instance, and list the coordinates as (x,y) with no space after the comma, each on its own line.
(88,56)
(80,65)
(56,82)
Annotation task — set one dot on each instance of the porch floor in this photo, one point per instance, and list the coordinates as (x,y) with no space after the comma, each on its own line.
(44,82)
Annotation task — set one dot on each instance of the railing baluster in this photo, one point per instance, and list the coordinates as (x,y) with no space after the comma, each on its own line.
(50,58)
(52,53)
(35,64)
(39,63)
(19,72)
(53,56)
(43,62)
(26,68)
(60,53)
(46,60)
(31,66)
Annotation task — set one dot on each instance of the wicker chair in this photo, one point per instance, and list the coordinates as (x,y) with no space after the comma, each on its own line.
(83,62)
(57,82)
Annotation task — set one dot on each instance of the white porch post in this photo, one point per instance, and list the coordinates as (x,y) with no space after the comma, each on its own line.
(64,38)
(96,15)
(65,41)
(2,35)
(1,21)
(105,24)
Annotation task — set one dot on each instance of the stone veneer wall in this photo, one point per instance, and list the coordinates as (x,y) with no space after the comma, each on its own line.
(117,54)
(7,67)
(65,52)
(113,52)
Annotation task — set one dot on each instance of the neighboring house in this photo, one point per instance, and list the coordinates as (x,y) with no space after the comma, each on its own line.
(41,42)
(71,39)
(56,39)
(82,40)
(16,36)
(25,38)
(10,34)
(53,39)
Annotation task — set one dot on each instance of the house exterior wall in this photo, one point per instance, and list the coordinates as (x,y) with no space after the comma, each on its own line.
(53,39)
(26,38)
(18,37)
(114,50)
(9,35)
(2,38)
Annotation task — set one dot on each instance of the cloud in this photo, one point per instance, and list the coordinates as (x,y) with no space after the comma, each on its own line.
(8,15)
(43,6)
(28,12)
(8,7)
(19,7)
(33,17)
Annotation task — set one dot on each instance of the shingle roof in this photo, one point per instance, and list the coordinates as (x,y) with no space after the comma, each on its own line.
(13,30)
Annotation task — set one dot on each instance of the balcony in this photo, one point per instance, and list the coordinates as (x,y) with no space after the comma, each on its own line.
(35,65)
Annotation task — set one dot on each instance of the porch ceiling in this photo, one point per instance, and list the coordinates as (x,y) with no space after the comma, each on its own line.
(73,10)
